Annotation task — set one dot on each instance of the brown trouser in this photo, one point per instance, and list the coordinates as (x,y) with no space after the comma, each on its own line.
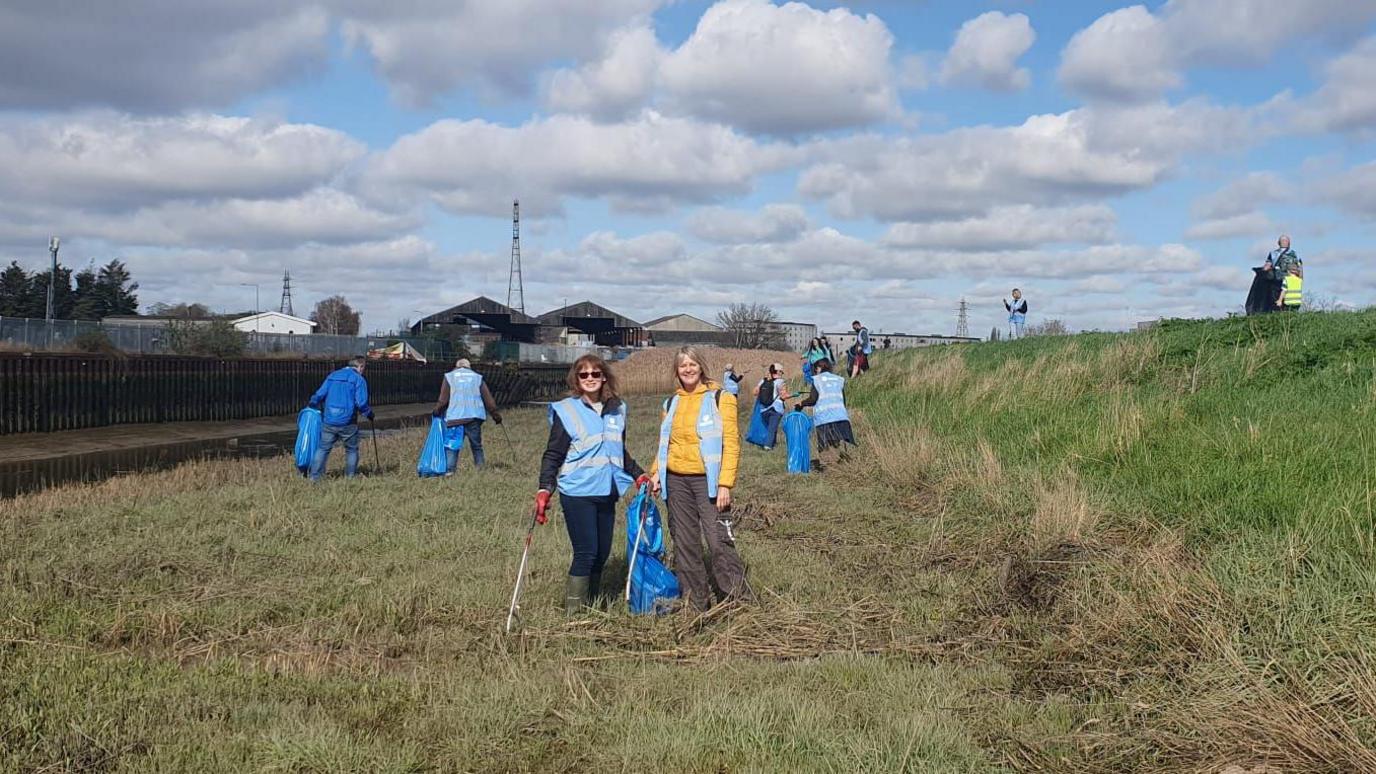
(692,517)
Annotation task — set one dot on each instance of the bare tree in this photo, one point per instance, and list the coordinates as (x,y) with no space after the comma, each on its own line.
(752,326)
(1052,327)
(334,315)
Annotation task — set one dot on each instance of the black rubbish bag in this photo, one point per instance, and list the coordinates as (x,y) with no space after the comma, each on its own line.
(1261,299)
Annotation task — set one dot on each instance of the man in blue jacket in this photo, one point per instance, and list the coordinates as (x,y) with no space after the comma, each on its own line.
(344,395)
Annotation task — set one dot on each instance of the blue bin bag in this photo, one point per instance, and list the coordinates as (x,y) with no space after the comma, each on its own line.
(453,438)
(308,424)
(653,585)
(807,372)
(758,434)
(432,458)
(798,434)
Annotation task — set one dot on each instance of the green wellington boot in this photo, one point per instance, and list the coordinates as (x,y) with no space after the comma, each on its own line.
(575,594)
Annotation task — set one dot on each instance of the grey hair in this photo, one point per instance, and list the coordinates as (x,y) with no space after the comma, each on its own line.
(358,361)
(462,363)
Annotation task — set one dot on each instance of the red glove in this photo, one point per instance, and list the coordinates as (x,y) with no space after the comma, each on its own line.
(644,480)
(541,503)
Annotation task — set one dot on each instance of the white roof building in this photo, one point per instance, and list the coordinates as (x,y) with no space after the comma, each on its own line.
(274,322)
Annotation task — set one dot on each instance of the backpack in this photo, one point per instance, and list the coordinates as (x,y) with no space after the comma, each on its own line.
(766,396)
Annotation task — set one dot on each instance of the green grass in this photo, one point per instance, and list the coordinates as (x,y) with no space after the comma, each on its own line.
(227,617)
(1109,553)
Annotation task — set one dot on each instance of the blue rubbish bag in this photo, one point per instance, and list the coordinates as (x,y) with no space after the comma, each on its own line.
(653,586)
(798,433)
(307,438)
(807,372)
(453,438)
(432,459)
(758,434)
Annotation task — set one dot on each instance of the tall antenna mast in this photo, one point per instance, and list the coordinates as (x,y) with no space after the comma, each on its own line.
(285,308)
(963,319)
(514,288)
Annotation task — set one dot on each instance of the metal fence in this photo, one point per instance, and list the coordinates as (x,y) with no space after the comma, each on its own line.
(152,339)
(47,392)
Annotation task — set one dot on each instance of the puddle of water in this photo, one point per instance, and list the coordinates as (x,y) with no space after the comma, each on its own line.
(35,475)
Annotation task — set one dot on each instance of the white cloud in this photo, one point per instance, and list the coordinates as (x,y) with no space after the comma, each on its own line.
(1084,154)
(1123,55)
(1015,226)
(1353,191)
(1241,196)
(650,162)
(783,69)
(617,85)
(1248,224)
(986,52)
(1134,54)
(119,162)
(426,48)
(775,223)
(1346,102)
(149,55)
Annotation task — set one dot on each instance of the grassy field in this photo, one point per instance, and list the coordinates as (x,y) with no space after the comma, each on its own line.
(1137,552)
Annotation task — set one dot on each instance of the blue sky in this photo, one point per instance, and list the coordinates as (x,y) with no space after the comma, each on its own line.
(879,160)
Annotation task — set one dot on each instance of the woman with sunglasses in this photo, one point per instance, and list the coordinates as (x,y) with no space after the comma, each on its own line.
(699,450)
(586,461)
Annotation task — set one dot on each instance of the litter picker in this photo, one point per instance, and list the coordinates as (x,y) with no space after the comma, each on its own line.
(509,447)
(377,460)
(639,533)
(521,572)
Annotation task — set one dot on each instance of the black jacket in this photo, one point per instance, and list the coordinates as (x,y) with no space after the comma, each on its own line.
(558,448)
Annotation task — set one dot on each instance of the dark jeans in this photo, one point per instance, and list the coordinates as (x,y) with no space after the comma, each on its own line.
(771,419)
(329,435)
(590,521)
(693,518)
(473,436)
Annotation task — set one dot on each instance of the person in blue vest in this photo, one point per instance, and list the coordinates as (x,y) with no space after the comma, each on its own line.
(1017,314)
(587,463)
(731,381)
(861,349)
(771,393)
(341,398)
(695,468)
(830,419)
(464,404)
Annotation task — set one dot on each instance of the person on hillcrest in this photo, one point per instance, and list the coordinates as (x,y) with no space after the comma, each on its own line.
(1279,264)
(861,349)
(830,419)
(343,395)
(464,404)
(771,393)
(586,461)
(1017,314)
(695,469)
(1292,291)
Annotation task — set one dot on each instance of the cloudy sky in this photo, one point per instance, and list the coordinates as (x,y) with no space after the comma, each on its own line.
(877,159)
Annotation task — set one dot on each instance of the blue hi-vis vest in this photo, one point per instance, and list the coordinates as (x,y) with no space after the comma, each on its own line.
(1015,316)
(732,386)
(710,443)
(597,451)
(831,399)
(465,395)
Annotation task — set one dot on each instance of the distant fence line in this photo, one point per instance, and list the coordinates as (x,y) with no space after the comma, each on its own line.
(151,338)
(48,392)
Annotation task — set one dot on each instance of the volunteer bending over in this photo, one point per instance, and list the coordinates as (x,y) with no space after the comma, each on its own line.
(587,462)
(699,450)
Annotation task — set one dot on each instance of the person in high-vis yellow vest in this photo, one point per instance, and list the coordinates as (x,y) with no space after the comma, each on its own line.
(1292,292)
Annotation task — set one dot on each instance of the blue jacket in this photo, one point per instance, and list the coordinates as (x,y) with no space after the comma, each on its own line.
(345,395)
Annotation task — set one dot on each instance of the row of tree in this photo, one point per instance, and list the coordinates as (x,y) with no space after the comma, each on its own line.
(95,293)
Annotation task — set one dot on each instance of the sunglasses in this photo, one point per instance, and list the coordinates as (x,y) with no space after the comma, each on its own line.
(589,374)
